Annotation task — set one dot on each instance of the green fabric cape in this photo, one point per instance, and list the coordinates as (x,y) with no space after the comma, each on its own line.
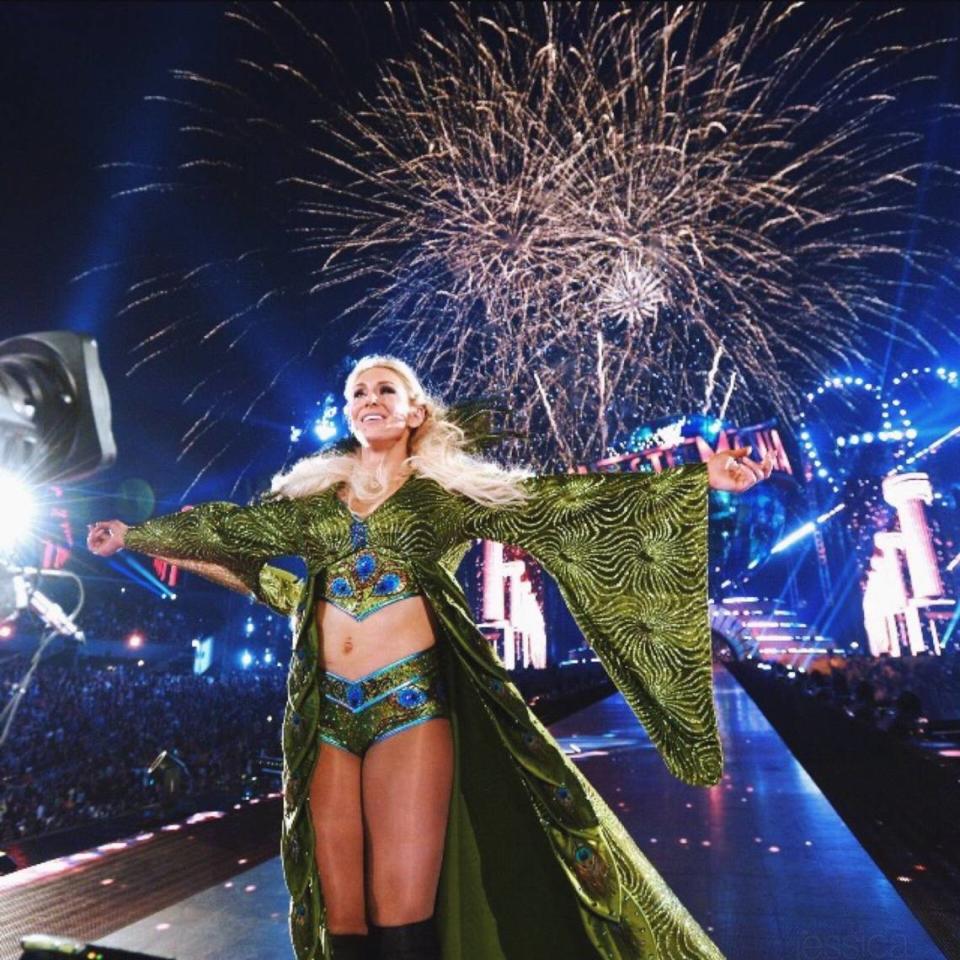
(536,866)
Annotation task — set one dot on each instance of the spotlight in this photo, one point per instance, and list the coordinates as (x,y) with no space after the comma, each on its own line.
(16,510)
(54,408)
(324,430)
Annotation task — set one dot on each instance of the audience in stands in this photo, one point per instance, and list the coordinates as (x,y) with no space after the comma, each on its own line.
(82,739)
(163,621)
(905,695)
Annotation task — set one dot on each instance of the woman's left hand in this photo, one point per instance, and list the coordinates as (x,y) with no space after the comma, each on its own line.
(734,471)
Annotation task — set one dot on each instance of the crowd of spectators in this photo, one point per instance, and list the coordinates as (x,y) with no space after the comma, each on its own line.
(116,615)
(83,738)
(905,695)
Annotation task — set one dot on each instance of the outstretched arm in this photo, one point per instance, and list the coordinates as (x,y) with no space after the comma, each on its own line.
(223,542)
(629,554)
(212,572)
(276,588)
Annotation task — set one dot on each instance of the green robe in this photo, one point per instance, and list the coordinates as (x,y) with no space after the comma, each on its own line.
(536,866)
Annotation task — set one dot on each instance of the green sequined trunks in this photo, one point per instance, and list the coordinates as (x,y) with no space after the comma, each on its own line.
(356,714)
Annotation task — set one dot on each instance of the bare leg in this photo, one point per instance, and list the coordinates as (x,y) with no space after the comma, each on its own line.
(406,802)
(338,824)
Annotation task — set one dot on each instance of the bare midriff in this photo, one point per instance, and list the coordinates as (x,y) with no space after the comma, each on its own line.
(354,648)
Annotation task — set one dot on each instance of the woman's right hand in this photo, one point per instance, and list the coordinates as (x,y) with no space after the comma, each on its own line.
(106,537)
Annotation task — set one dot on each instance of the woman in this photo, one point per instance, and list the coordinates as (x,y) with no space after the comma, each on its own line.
(417,783)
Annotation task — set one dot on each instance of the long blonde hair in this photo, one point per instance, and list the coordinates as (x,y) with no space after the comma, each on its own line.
(436,450)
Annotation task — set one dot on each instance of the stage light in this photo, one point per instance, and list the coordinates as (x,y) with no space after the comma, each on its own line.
(868,438)
(135,640)
(54,407)
(324,430)
(792,538)
(841,441)
(246,658)
(16,510)
(855,439)
(267,657)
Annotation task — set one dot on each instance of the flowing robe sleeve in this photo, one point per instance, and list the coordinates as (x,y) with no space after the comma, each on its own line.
(239,539)
(629,554)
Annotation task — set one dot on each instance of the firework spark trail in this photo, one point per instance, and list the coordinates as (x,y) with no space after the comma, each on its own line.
(602,214)
(712,379)
(728,396)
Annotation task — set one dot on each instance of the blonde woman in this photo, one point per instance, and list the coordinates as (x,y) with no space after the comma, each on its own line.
(427,812)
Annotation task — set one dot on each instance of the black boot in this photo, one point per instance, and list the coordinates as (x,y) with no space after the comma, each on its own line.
(349,946)
(410,941)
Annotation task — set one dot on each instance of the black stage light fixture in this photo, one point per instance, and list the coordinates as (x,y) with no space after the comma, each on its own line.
(40,946)
(54,408)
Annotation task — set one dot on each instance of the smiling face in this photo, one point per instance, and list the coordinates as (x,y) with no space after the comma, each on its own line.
(380,409)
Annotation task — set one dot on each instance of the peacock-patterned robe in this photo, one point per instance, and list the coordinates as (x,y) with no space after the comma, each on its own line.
(536,866)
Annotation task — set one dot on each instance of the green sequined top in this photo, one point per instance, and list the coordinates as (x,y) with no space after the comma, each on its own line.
(365,580)
(535,865)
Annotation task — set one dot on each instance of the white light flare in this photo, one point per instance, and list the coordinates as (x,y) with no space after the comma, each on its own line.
(17,509)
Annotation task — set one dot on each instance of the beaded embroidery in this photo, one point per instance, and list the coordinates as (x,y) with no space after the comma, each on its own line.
(364,582)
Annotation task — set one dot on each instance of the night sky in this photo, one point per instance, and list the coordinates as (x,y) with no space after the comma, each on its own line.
(73,78)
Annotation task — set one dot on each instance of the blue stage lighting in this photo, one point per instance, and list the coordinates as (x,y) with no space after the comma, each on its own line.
(791,539)
(246,658)
(324,430)
(325,426)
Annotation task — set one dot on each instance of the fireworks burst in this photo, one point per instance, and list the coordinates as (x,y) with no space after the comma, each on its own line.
(601,213)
